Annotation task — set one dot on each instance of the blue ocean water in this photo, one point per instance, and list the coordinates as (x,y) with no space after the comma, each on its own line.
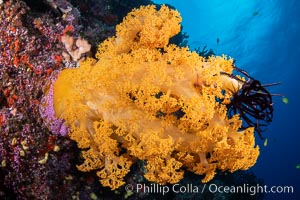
(263,36)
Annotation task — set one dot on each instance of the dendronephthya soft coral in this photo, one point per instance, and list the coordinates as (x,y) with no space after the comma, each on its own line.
(146,99)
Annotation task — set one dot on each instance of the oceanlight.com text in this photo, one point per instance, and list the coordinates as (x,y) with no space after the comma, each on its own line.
(250,189)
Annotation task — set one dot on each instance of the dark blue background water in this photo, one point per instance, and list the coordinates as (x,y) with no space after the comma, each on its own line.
(263,36)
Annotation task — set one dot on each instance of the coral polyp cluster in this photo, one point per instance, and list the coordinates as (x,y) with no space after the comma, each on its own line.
(145,99)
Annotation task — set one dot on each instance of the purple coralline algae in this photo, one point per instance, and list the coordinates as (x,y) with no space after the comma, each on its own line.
(55,125)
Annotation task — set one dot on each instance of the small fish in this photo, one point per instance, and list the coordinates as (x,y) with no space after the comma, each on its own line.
(266,142)
(285,100)
(218,40)
(298,166)
(255,13)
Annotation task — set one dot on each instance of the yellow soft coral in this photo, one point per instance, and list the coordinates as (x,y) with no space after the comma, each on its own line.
(145,99)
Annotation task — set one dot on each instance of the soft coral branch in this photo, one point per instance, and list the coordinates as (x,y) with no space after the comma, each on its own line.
(155,100)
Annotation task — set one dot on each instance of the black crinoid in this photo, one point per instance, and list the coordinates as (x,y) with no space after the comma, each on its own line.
(253,102)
